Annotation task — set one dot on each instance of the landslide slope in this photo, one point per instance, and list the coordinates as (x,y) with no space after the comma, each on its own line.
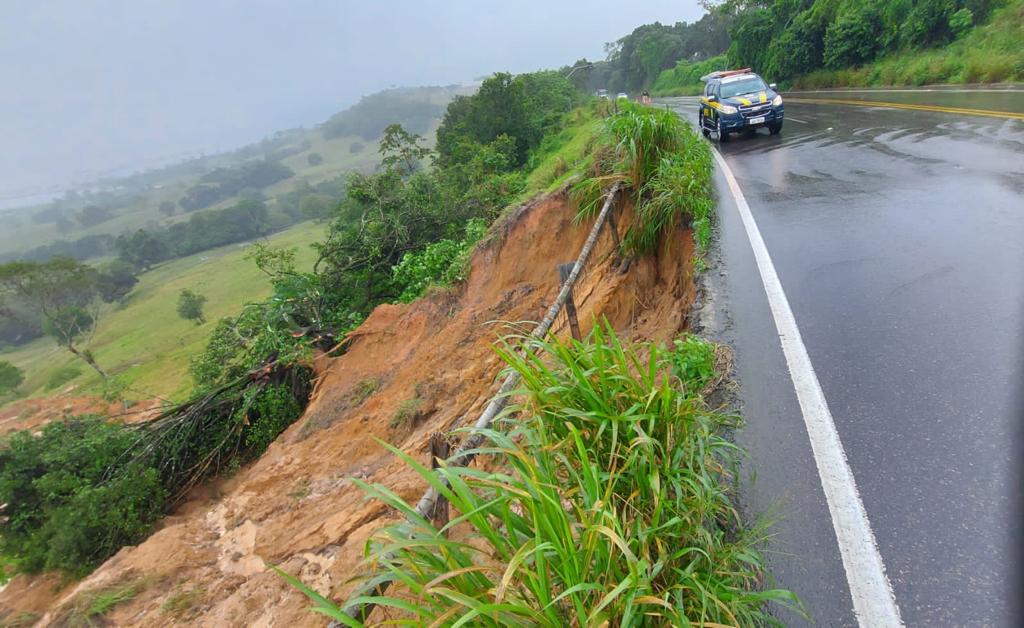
(410,370)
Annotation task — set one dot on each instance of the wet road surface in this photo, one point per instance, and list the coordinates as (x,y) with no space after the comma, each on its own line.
(898,237)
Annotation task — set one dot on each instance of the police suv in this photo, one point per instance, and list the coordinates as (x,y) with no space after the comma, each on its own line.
(738,100)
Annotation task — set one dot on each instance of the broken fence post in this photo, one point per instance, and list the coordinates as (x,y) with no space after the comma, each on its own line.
(564,270)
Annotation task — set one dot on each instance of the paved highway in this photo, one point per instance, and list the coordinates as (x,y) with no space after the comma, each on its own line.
(897,236)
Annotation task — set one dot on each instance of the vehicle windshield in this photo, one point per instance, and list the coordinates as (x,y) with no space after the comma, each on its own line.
(743,86)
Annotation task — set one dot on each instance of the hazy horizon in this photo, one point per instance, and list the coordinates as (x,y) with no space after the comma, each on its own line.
(101,86)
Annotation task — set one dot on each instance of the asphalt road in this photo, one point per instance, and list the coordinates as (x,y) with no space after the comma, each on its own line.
(898,237)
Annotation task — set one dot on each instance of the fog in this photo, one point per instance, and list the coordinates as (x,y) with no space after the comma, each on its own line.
(95,87)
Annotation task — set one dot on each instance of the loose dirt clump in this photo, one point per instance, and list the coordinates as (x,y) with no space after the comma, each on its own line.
(297,506)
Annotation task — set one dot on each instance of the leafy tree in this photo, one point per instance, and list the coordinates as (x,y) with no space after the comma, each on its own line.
(520,107)
(223,183)
(751,38)
(116,280)
(961,22)
(10,377)
(63,293)
(314,159)
(316,206)
(928,23)
(81,249)
(190,306)
(401,149)
(92,215)
(853,38)
(142,249)
(798,49)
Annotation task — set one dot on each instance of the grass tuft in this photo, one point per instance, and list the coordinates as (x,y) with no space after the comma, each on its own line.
(667,168)
(182,603)
(89,608)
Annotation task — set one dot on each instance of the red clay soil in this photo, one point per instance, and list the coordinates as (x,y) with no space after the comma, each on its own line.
(429,362)
(32,414)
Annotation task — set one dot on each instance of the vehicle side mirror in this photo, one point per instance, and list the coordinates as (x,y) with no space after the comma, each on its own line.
(771,85)
(712,98)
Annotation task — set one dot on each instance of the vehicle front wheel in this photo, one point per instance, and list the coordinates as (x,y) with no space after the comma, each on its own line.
(723,136)
(775,128)
(703,126)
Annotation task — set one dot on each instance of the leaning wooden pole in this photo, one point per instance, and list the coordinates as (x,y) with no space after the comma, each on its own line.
(466,451)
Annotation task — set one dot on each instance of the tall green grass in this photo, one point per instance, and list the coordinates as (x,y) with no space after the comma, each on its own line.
(612,503)
(666,167)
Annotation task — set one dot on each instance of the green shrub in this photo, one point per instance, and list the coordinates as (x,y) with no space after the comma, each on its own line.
(853,38)
(270,411)
(64,509)
(10,377)
(693,362)
(444,262)
(960,22)
(62,376)
(928,23)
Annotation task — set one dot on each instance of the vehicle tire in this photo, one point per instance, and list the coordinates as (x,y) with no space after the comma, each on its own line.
(775,128)
(703,127)
(723,136)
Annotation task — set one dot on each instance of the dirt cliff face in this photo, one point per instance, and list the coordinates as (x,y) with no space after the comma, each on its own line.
(410,370)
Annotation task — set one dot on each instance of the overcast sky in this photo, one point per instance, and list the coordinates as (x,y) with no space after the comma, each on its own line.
(87,86)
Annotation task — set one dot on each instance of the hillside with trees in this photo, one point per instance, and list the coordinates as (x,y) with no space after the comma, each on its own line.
(813,43)
(279,171)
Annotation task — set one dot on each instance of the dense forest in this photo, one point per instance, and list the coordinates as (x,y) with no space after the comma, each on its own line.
(790,39)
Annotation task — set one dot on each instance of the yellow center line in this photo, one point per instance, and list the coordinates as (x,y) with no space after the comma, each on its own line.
(895,105)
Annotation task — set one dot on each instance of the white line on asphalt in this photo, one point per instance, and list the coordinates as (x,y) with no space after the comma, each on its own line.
(873,601)
(911,91)
(792,119)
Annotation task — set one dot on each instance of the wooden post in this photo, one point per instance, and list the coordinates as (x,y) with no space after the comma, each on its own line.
(570,306)
(439,450)
(615,232)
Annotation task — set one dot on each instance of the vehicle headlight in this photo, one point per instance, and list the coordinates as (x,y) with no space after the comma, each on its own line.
(728,109)
(777,101)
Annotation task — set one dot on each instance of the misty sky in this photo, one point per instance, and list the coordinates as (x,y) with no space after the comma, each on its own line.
(89,86)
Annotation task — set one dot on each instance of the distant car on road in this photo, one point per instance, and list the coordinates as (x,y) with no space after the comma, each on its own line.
(602,93)
(738,100)
(622,95)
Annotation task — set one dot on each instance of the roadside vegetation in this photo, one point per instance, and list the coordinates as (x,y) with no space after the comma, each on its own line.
(611,501)
(988,53)
(608,496)
(821,43)
(908,42)
(684,78)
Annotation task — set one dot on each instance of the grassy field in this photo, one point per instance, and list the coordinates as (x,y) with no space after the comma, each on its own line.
(143,341)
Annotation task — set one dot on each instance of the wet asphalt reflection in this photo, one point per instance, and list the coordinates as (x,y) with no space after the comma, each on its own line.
(899,239)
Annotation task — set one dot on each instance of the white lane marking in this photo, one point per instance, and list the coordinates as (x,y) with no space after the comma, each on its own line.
(873,601)
(910,91)
(792,119)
